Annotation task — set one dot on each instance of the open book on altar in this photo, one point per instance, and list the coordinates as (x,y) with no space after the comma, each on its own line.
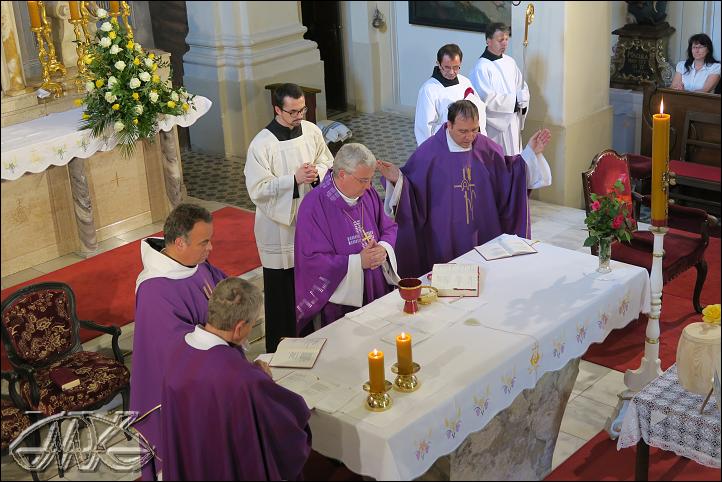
(297,352)
(455,279)
(505,246)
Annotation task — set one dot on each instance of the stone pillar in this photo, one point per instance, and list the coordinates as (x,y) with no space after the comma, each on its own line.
(13,77)
(235,49)
(568,76)
(83,206)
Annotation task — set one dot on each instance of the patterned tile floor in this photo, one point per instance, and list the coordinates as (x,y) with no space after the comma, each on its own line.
(215,178)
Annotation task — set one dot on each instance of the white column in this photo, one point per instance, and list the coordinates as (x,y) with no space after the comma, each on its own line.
(236,49)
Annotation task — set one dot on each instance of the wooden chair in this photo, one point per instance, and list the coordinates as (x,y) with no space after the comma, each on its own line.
(40,331)
(684,244)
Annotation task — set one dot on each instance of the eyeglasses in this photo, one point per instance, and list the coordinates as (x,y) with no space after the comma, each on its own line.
(295,113)
(699,47)
(455,68)
(362,180)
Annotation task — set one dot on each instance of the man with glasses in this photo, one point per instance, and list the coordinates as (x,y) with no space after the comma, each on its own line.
(284,161)
(344,243)
(445,86)
(499,82)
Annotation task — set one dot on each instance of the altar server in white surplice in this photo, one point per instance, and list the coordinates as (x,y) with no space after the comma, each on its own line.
(285,161)
(499,82)
(445,86)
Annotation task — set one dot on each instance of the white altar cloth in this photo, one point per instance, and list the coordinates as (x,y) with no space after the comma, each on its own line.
(534,314)
(55,140)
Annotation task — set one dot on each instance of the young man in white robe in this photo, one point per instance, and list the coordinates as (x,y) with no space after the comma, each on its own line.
(285,160)
(445,86)
(499,82)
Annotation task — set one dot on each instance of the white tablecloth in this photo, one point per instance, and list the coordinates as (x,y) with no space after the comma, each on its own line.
(535,313)
(55,140)
(667,417)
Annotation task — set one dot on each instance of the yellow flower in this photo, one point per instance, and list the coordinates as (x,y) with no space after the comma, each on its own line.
(85,116)
(130,44)
(135,96)
(112,35)
(711,314)
(99,83)
(116,106)
(136,61)
(135,121)
(88,59)
(155,79)
(155,67)
(151,56)
(114,20)
(185,106)
(171,104)
(78,102)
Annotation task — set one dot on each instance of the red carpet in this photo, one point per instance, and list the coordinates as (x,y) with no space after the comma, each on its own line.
(623,349)
(104,285)
(600,460)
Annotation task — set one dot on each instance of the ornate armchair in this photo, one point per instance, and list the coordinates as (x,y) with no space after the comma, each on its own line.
(684,243)
(40,331)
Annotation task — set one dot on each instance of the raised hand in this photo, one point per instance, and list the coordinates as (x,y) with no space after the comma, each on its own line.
(388,170)
(539,140)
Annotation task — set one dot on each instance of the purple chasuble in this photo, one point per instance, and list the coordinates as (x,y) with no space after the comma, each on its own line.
(224,419)
(328,230)
(453,201)
(165,310)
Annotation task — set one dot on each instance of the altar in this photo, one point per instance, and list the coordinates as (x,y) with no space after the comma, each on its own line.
(496,370)
(64,191)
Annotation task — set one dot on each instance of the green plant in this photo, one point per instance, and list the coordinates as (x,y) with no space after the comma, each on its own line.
(609,216)
(125,94)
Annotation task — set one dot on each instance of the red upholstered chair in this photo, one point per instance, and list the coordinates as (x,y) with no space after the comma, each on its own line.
(40,331)
(684,243)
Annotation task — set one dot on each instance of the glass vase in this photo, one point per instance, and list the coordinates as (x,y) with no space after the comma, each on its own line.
(605,254)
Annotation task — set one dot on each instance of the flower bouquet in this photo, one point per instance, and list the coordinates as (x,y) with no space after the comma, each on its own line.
(609,217)
(124,91)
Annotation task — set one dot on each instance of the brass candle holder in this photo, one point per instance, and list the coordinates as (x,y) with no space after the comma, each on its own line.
(80,49)
(126,13)
(378,401)
(85,16)
(54,87)
(406,382)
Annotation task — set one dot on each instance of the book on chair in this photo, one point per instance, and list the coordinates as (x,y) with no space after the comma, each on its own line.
(505,246)
(64,378)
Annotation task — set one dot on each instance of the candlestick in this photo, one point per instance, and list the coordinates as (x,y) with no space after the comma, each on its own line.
(403,353)
(660,166)
(114,8)
(125,15)
(80,49)
(34,12)
(74,10)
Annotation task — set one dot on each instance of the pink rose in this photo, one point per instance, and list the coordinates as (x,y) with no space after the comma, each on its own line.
(618,222)
(595,206)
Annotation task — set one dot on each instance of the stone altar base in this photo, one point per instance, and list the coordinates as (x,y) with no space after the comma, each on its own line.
(518,443)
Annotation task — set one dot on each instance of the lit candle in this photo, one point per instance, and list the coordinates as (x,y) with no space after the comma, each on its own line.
(34,11)
(660,165)
(403,353)
(377,379)
(114,8)
(74,10)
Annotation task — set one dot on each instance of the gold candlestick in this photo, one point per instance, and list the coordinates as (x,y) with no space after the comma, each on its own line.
(126,13)
(406,382)
(54,87)
(85,15)
(80,49)
(378,401)
(52,66)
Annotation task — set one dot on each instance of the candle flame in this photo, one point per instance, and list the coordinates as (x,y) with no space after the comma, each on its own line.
(661,107)
(375,352)
(403,335)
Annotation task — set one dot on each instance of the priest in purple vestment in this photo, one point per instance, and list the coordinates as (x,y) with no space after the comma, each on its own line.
(458,190)
(171,297)
(344,246)
(222,417)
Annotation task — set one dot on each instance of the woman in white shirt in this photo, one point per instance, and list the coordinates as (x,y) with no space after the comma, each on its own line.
(700,72)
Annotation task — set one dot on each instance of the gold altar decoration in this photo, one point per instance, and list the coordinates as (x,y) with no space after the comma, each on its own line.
(48,59)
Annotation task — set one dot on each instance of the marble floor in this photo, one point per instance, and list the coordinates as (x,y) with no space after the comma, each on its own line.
(215,182)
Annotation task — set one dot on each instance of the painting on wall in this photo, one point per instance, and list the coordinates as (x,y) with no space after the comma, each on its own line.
(473,16)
